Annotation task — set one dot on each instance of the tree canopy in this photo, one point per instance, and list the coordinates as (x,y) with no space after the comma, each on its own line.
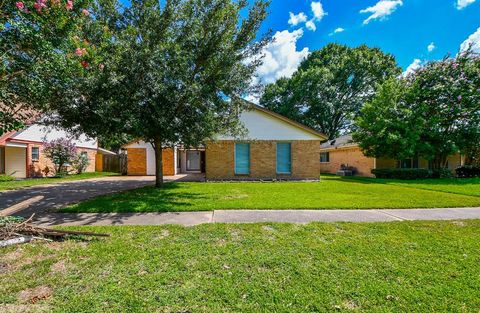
(330,87)
(41,50)
(432,113)
(173,71)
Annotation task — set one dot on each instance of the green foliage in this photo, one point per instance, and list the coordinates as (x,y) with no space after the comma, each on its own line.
(387,126)
(441,173)
(80,163)
(468,171)
(6,178)
(401,173)
(173,73)
(38,40)
(433,113)
(330,87)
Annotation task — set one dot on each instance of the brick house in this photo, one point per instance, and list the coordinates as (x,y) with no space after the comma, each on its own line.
(21,152)
(343,151)
(274,147)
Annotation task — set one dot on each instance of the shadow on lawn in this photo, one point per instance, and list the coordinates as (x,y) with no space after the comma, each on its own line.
(172,197)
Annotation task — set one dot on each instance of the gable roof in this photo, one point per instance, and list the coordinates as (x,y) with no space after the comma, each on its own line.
(345,141)
(289,121)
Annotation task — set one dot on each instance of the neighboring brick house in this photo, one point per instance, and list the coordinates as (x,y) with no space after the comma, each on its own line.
(22,156)
(343,151)
(275,147)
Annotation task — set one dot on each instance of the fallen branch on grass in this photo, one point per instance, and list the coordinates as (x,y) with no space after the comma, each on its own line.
(14,230)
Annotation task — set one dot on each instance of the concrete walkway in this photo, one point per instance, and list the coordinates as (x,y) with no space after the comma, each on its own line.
(254,216)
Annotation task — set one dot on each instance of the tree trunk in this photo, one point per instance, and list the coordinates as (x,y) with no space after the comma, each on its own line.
(157,146)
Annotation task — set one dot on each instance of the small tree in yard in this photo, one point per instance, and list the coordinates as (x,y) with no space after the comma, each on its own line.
(174,72)
(61,151)
(433,113)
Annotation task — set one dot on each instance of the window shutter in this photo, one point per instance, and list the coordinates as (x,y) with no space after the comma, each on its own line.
(242,158)
(284,158)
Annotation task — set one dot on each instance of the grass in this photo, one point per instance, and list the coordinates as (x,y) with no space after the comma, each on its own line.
(318,267)
(29,182)
(330,193)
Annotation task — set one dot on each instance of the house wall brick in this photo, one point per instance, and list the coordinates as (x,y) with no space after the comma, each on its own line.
(220,160)
(136,161)
(44,166)
(351,156)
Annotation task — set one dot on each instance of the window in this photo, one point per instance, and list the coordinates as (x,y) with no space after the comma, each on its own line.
(284,158)
(408,163)
(242,158)
(35,153)
(324,157)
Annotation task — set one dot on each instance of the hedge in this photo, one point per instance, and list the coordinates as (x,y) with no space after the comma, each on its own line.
(468,171)
(402,173)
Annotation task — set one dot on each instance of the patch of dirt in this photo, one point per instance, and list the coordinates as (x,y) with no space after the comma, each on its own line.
(34,295)
(458,223)
(59,267)
(24,308)
(346,305)
(13,256)
(233,197)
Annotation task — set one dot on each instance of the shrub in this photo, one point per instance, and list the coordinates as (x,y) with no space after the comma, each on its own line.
(80,163)
(61,151)
(5,178)
(401,173)
(468,171)
(441,173)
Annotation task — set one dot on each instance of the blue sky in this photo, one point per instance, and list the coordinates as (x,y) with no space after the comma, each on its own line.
(404,28)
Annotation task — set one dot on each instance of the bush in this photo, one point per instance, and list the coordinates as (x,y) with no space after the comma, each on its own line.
(5,178)
(441,173)
(468,171)
(80,163)
(401,173)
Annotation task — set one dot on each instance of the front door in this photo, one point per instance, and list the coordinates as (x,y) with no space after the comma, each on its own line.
(193,160)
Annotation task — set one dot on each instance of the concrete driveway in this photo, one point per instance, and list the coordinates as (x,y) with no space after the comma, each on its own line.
(49,198)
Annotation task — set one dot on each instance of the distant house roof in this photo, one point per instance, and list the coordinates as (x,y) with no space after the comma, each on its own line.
(339,142)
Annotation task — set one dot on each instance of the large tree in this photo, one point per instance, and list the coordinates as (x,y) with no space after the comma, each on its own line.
(432,113)
(38,57)
(331,86)
(173,73)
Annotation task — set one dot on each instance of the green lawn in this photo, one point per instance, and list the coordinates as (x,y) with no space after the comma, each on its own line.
(464,186)
(330,193)
(318,267)
(22,183)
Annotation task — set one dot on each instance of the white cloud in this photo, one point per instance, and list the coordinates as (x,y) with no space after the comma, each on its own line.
(416,64)
(461,4)
(431,47)
(338,30)
(281,56)
(473,40)
(381,10)
(297,19)
(317,9)
(311,25)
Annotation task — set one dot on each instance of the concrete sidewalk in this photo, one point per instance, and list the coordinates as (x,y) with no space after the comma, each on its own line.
(256,216)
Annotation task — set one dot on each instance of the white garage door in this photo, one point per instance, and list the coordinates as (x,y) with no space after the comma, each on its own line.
(16,162)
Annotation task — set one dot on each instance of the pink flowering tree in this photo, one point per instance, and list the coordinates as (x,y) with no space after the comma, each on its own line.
(62,152)
(42,53)
(432,113)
